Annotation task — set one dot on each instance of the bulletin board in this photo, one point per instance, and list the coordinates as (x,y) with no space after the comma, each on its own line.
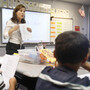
(59,25)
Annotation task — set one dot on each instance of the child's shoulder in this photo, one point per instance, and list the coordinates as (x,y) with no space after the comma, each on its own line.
(47,69)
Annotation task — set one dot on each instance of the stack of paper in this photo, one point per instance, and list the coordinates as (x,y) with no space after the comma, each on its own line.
(26,35)
(8,67)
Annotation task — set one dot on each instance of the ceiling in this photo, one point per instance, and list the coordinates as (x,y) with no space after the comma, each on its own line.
(85,2)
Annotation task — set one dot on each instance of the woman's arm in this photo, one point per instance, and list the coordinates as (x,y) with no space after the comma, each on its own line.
(10,27)
(13,29)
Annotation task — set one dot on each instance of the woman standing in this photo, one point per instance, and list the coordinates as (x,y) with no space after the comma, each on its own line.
(12,30)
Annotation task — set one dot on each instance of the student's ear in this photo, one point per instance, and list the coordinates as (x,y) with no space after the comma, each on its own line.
(54,53)
(86,58)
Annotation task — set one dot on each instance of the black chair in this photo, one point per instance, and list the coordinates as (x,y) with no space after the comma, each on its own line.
(26,81)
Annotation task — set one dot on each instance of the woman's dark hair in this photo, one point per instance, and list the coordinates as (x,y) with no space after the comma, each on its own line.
(71,47)
(14,18)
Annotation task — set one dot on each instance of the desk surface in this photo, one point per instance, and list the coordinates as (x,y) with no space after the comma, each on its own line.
(33,70)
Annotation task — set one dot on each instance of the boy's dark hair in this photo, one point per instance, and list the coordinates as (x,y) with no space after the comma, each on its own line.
(14,18)
(71,47)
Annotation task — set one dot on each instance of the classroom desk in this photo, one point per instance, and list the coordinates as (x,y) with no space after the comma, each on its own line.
(33,70)
(30,70)
(27,74)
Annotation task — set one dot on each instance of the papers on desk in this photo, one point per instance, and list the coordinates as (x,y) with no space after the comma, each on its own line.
(1,60)
(25,34)
(8,67)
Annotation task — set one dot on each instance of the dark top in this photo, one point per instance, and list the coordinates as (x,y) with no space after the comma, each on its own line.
(61,78)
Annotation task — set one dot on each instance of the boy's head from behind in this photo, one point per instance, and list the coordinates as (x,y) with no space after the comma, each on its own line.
(71,47)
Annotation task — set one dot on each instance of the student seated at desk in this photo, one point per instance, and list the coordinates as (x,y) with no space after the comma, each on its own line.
(71,52)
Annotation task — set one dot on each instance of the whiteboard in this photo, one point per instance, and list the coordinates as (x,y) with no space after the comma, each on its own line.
(39,23)
(60,25)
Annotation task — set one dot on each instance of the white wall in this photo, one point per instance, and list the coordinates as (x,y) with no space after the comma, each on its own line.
(73,12)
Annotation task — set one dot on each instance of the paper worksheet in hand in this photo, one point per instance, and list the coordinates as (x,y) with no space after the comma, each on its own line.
(8,67)
(26,35)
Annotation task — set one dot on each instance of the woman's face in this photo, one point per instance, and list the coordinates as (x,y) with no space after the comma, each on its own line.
(20,14)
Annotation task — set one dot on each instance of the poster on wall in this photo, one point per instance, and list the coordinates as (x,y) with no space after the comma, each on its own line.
(53,31)
(59,13)
(30,5)
(0,3)
(10,3)
(26,4)
(59,25)
(14,3)
(77,28)
(4,3)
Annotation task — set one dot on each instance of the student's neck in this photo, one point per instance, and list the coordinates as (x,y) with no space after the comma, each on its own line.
(75,67)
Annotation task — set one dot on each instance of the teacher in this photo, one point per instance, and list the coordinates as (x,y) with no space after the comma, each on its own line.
(12,30)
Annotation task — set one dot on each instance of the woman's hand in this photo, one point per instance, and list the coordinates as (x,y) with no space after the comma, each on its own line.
(29,29)
(16,27)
